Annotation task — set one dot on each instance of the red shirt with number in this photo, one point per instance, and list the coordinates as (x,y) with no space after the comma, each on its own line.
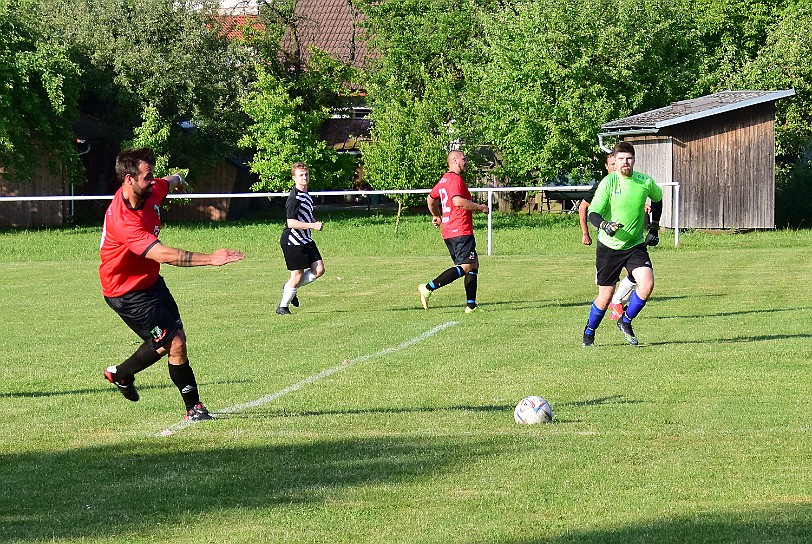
(456,221)
(126,237)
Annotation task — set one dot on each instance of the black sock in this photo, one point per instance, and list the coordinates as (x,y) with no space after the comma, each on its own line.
(452,274)
(143,357)
(184,379)
(470,288)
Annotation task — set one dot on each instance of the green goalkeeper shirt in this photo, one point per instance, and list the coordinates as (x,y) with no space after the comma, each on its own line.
(622,200)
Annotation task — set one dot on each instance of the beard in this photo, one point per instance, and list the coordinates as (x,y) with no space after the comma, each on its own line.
(144,193)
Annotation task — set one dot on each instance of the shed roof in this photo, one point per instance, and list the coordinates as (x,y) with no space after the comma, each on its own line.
(690,110)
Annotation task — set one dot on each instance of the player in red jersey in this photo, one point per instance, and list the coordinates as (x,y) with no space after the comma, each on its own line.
(451,210)
(131,258)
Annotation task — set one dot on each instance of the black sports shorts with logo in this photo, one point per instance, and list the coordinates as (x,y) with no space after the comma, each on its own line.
(610,262)
(462,249)
(151,313)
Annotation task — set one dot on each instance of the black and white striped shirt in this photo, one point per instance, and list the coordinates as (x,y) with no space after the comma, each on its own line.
(299,205)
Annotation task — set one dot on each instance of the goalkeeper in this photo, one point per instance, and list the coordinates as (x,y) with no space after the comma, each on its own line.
(617,211)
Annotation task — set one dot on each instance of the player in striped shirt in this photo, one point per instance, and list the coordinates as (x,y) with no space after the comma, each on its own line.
(302,257)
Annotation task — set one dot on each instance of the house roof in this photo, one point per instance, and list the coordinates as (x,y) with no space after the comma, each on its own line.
(651,122)
(234,24)
(329,25)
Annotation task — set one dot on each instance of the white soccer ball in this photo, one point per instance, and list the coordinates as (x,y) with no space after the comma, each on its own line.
(532,410)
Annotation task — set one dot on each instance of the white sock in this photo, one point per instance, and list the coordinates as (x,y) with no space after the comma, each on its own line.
(623,291)
(288,293)
(307,277)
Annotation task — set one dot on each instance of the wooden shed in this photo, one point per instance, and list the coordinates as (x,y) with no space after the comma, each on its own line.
(720,148)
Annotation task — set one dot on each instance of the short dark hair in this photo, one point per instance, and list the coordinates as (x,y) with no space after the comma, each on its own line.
(127,161)
(623,147)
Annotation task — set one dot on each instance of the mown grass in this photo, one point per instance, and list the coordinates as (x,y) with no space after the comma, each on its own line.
(702,434)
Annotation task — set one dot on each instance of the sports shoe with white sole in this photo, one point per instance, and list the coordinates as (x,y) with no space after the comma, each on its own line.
(198,412)
(626,329)
(425,294)
(282,310)
(127,389)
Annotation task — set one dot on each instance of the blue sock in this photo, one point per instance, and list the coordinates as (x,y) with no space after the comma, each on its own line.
(635,306)
(595,318)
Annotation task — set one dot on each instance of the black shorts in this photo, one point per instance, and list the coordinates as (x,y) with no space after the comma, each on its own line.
(300,257)
(609,262)
(151,313)
(462,249)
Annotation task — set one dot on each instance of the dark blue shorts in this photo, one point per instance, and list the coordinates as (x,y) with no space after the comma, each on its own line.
(151,313)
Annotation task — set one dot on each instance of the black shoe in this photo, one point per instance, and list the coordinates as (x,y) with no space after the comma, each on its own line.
(589,340)
(127,389)
(198,412)
(282,310)
(626,329)
(295,301)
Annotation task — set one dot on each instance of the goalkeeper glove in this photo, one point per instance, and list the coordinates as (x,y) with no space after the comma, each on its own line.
(653,237)
(610,227)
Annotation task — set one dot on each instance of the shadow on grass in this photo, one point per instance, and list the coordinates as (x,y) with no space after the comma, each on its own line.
(754,311)
(735,339)
(111,492)
(784,524)
(105,388)
(253,414)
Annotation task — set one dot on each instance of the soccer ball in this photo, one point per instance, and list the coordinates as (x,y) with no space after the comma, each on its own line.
(532,410)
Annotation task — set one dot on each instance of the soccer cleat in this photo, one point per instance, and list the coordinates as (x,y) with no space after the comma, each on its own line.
(198,412)
(615,311)
(589,340)
(282,310)
(425,294)
(295,301)
(469,310)
(127,389)
(626,329)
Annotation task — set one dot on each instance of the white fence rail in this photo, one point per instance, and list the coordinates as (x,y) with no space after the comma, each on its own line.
(675,198)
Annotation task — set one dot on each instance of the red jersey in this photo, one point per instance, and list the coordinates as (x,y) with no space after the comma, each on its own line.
(456,221)
(126,237)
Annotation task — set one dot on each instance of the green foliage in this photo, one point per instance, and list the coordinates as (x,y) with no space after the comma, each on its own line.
(550,74)
(155,61)
(283,133)
(782,63)
(730,34)
(415,89)
(38,92)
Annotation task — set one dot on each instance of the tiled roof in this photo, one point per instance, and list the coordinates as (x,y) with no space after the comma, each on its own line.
(697,108)
(233,25)
(330,25)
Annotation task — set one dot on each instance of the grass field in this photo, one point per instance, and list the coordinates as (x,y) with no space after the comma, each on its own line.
(701,434)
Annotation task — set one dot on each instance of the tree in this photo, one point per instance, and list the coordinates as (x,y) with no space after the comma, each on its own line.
(283,133)
(551,73)
(294,93)
(148,62)
(40,85)
(415,87)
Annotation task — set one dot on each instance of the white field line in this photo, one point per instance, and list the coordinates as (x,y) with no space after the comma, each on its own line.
(172,429)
